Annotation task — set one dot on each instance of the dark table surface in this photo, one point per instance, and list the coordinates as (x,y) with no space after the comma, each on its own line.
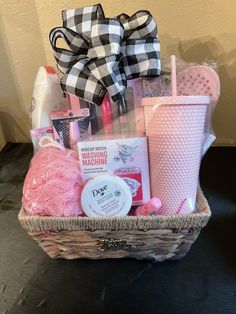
(202,282)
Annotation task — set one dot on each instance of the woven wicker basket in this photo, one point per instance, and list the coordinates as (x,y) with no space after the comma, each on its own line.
(154,237)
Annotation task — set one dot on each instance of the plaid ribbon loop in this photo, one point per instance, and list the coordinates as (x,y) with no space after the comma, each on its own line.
(103,53)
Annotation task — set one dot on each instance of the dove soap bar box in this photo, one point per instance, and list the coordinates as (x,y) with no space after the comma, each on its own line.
(123,156)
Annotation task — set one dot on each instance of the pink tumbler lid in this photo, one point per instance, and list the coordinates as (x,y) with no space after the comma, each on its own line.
(176,100)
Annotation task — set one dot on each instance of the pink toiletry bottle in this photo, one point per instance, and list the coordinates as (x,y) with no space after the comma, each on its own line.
(106,112)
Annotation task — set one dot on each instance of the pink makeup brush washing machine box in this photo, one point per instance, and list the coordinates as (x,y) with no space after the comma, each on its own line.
(123,156)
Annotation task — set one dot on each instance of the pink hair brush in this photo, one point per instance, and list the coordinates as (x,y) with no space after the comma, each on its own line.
(199,80)
(204,81)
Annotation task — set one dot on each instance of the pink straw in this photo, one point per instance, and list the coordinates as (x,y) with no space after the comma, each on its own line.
(173,75)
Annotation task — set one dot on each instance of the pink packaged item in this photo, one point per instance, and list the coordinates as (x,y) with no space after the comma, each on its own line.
(37,134)
(133,177)
(53,183)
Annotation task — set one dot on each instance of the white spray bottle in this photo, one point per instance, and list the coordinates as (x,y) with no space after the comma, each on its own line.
(47,96)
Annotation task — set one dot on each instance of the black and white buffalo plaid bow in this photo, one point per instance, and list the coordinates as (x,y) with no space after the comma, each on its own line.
(104,52)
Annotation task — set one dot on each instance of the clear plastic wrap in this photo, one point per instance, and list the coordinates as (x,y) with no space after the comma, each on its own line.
(156,146)
(192,79)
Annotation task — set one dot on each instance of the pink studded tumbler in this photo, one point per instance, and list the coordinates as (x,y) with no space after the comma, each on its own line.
(174,127)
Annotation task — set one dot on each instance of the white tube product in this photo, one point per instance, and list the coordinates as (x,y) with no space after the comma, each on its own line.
(106,195)
(47,96)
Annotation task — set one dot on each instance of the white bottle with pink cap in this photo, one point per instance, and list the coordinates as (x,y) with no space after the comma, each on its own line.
(47,96)
(174,126)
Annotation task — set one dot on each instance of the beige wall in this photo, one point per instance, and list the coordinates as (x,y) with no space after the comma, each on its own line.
(192,29)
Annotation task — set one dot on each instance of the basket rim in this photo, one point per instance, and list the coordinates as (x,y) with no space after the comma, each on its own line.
(194,220)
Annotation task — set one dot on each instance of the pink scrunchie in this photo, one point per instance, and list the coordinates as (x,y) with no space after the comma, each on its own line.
(53,183)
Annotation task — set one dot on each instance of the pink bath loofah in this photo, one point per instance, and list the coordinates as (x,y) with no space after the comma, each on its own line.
(53,183)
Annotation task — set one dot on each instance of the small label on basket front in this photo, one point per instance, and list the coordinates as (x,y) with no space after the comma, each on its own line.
(107,244)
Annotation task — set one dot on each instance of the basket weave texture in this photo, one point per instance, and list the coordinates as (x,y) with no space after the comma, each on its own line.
(151,237)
